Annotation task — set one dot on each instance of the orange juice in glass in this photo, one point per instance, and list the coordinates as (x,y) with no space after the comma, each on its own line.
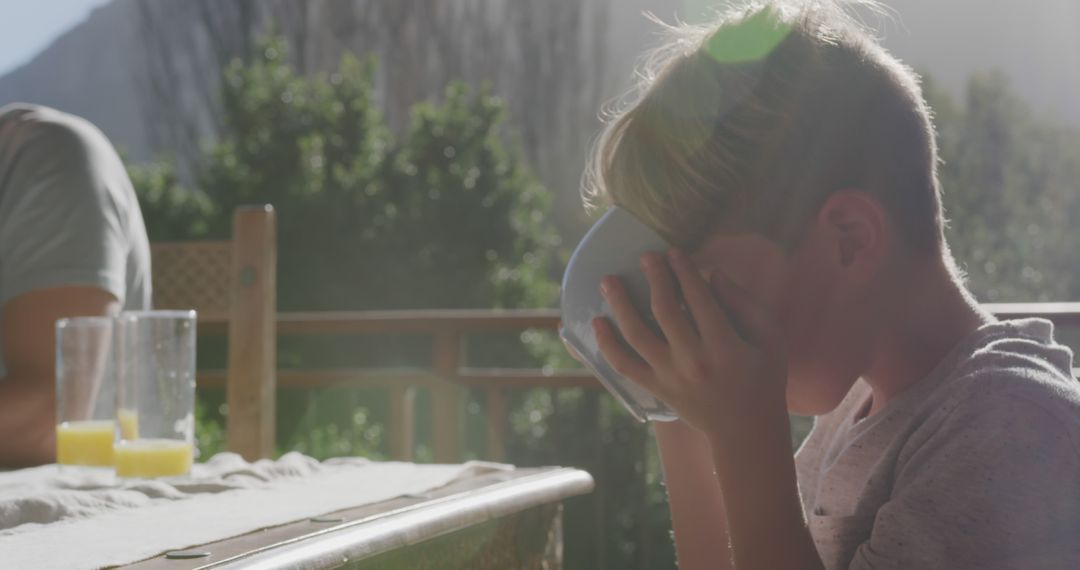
(149,458)
(155,362)
(128,422)
(88,442)
(85,391)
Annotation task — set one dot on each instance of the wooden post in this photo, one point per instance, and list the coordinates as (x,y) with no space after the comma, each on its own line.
(250,389)
(447,399)
(496,424)
(402,421)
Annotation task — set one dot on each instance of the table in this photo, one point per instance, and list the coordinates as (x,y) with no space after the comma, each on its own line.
(503,520)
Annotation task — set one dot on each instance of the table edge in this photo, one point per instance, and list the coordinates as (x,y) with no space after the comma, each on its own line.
(371,536)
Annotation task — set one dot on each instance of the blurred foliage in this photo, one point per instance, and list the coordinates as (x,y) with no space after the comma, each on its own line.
(171,210)
(1011,183)
(358,435)
(447,215)
(209,433)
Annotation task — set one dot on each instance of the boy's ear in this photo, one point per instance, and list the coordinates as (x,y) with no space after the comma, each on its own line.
(856,229)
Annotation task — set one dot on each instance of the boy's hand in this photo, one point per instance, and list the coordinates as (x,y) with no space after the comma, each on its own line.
(723,370)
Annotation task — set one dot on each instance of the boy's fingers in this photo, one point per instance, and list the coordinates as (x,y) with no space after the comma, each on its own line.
(711,319)
(753,322)
(640,337)
(619,358)
(664,302)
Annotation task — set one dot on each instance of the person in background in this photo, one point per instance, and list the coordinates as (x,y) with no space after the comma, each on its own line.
(72,243)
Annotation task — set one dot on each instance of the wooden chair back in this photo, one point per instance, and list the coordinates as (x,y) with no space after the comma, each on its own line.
(232,285)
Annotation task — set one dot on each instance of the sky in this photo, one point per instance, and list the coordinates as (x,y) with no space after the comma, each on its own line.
(929,44)
(28,26)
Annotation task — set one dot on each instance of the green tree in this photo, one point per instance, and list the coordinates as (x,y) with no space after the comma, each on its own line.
(443,216)
(1010,180)
(171,210)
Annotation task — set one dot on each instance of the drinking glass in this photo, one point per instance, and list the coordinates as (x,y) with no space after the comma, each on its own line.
(155,361)
(85,391)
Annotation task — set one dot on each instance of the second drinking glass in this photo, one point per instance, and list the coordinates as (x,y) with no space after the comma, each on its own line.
(155,371)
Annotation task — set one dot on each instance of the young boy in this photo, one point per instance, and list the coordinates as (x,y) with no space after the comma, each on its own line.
(792,163)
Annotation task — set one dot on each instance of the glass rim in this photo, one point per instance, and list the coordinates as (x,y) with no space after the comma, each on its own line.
(157,314)
(65,322)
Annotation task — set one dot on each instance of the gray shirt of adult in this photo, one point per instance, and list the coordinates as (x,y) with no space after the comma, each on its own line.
(68,212)
(974,467)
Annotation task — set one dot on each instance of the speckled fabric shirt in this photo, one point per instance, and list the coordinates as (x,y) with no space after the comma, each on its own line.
(975,466)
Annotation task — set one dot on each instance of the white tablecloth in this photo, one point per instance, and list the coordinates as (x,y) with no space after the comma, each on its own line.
(64,518)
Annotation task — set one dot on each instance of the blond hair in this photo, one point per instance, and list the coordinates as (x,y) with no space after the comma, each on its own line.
(750,123)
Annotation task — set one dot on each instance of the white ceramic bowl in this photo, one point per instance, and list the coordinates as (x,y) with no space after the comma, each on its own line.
(613,246)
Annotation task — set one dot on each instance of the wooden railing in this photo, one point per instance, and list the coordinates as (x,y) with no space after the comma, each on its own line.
(448,378)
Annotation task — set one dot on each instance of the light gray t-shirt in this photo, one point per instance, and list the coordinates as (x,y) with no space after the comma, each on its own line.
(976,466)
(68,213)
